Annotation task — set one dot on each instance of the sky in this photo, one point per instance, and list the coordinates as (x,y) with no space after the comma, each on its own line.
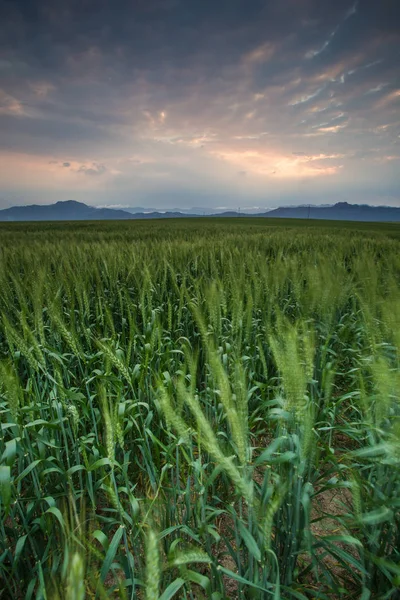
(211,103)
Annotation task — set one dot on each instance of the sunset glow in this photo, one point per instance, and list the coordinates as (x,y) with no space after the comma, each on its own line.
(197,103)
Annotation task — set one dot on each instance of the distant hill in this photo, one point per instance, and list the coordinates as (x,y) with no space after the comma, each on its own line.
(342,211)
(70,210)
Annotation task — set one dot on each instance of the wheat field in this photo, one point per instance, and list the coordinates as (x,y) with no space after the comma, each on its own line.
(200,408)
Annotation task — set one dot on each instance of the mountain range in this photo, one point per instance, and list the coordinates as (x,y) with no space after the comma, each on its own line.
(70,210)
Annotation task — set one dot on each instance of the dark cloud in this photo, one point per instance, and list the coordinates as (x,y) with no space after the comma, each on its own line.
(179,96)
(37,134)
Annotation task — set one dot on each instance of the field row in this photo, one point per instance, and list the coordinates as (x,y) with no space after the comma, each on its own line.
(200,411)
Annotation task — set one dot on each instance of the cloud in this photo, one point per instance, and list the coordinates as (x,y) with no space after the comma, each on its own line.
(118,206)
(349,13)
(177,100)
(10,105)
(94,170)
(377,88)
(42,88)
(390,98)
(295,166)
(331,129)
(306,98)
(260,54)
(313,53)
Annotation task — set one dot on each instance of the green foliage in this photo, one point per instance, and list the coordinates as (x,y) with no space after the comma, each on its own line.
(199,409)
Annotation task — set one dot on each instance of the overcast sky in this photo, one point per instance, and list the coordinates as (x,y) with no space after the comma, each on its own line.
(181,103)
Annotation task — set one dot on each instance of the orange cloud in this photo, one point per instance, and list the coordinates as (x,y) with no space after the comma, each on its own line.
(260,54)
(275,165)
(32,170)
(155,120)
(331,129)
(395,95)
(389,158)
